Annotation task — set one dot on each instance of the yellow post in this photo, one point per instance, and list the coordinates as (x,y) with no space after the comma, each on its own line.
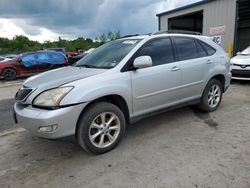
(230,49)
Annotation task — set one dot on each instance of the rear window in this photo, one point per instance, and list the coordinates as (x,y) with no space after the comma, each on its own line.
(186,48)
(201,50)
(210,50)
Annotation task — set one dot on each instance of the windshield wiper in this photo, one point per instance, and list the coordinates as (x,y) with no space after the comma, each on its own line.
(87,66)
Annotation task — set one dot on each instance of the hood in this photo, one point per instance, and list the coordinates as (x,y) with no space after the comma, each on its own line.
(241,60)
(57,77)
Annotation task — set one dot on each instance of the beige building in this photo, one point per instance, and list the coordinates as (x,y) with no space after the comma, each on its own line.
(226,21)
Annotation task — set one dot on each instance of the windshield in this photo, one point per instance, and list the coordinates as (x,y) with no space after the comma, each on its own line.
(246,51)
(108,55)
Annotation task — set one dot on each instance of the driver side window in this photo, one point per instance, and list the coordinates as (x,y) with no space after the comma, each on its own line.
(160,50)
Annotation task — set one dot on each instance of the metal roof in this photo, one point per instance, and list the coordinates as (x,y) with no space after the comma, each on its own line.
(184,7)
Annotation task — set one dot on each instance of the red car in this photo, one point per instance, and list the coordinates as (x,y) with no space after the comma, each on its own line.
(31,63)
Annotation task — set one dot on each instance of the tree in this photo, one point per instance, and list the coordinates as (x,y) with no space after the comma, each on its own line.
(109,36)
(19,44)
(117,35)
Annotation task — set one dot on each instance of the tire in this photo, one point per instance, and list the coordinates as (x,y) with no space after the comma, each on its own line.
(212,95)
(9,74)
(97,123)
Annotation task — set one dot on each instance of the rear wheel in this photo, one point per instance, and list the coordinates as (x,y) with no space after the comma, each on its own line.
(212,96)
(9,74)
(100,128)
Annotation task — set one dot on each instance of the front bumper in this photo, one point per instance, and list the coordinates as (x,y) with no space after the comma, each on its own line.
(32,119)
(239,73)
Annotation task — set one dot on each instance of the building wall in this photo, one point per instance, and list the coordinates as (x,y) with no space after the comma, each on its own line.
(215,13)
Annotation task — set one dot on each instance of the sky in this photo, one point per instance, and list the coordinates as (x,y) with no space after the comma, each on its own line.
(43,20)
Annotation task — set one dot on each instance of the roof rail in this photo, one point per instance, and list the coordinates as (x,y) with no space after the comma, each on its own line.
(129,36)
(136,35)
(178,32)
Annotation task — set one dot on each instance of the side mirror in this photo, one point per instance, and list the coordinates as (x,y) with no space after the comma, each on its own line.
(142,62)
(18,59)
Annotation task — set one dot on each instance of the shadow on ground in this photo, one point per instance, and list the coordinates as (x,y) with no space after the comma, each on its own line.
(6,114)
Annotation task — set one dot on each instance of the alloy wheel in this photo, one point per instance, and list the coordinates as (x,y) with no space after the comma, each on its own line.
(214,96)
(104,129)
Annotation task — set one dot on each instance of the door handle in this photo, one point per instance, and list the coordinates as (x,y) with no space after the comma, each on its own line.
(209,62)
(175,68)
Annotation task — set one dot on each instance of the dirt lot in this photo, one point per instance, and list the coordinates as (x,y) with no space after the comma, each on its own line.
(182,148)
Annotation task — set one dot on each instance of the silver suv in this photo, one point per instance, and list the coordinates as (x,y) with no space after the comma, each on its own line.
(121,82)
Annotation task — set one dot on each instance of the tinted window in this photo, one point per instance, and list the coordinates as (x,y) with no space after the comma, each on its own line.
(186,48)
(210,50)
(1,59)
(160,50)
(201,50)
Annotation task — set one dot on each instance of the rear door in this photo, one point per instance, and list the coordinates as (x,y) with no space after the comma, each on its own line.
(156,87)
(194,64)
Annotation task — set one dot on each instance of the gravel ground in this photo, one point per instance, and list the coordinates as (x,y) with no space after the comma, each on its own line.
(182,148)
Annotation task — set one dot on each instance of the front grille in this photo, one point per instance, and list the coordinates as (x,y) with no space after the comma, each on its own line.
(241,73)
(22,94)
(242,66)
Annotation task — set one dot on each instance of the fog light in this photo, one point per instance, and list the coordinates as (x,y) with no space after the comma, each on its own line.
(48,128)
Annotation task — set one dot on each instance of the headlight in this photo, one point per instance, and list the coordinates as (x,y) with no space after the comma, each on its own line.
(51,98)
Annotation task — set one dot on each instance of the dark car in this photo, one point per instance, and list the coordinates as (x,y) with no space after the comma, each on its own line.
(76,58)
(31,63)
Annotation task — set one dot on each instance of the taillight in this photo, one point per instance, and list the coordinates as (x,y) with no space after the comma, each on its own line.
(65,60)
(18,59)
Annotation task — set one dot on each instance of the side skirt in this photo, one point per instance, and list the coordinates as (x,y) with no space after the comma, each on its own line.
(150,114)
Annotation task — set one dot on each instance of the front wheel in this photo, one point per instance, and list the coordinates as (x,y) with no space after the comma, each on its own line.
(100,128)
(211,96)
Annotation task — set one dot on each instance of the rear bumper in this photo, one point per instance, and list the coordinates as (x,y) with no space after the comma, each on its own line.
(33,119)
(227,81)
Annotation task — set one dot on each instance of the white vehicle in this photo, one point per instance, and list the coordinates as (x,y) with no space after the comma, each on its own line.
(4,59)
(90,50)
(240,65)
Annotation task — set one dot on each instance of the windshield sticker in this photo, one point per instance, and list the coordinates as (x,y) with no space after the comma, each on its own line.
(129,42)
